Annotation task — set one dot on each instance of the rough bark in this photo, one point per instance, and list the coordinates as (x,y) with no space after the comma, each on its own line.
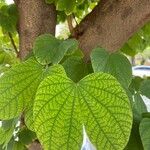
(111,24)
(35,18)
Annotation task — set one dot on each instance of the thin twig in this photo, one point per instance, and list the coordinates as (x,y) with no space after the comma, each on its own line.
(70,23)
(13,43)
(74,17)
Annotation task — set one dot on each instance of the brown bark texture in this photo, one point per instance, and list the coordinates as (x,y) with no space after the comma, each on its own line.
(112,23)
(35,18)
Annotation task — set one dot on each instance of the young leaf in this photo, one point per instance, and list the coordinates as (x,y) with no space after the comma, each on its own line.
(145,133)
(17,87)
(116,64)
(97,101)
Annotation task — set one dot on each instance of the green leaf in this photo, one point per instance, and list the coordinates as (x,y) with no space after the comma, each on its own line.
(17,87)
(75,68)
(116,64)
(55,69)
(135,142)
(19,146)
(145,133)
(7,124)
(97,101)
(128,50)
(8,17)
(135,84)
(28,117)
(26,136)
(146,115)
(67,5)
(6,135)
(47,49)
(145,88)
(139,107)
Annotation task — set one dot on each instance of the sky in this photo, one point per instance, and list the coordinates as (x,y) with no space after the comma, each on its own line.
(9,1)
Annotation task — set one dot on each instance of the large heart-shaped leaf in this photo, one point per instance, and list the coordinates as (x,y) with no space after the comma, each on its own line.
(17,87)
(97,101)
(116,64)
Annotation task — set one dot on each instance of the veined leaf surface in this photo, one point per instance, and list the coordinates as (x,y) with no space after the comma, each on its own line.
(97,101)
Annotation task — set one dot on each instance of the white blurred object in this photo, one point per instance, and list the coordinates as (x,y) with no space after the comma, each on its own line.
(9,1)
(147,102)
(141,71)
(87,145)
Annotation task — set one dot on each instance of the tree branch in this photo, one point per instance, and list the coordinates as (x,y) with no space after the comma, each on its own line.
(13,43)
(111,24)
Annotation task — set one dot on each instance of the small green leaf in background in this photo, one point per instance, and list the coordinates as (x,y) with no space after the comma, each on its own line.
(139,107)
(145,133)
(17,87)
(5,136)
(97,101)
(126,49)
(19,146)
(134,142)
(8,18)
(75,68)
(26,136)
(135,84)
(145,88)
(116,64)
(7,124)
(47,49)
(67,5)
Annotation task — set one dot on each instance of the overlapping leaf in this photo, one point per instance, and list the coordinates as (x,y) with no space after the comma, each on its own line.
(47,49)
(65,5)
(98,102)
(17,87)
(75,68)
(116,64)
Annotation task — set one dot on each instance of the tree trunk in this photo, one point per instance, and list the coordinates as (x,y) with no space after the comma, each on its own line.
(36,18)
(112,23)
